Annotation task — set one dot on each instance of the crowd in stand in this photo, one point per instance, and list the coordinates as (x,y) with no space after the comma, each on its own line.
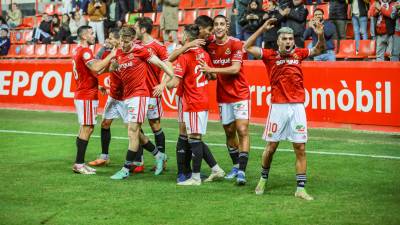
(247,17)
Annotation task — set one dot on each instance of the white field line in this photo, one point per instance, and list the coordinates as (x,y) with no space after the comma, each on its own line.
(212,144)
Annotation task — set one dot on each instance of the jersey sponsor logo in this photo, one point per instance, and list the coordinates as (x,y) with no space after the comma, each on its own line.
(228,51)
(86,55)
(287,61)
(221,61)
(124,65)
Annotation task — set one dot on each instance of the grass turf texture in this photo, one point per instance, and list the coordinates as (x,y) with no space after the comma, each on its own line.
(38,186)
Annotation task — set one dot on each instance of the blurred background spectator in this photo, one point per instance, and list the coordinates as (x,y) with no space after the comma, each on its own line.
(169,20)
(76,21)
(396,37)
(4,41)
(338,16)
(309,2)
(116,11)
(97,12)
(251,20)
(147,6)
(295,16)
(14,16)
(62,31)
(271,35)
(3,23)
(384,28)
(360,20)
(329,32)
(44,32)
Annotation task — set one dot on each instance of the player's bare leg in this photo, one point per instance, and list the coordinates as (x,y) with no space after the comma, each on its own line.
(232,143)
(183,154)
(242,128)
(301,167)
(133,137)
(85,131)
(105,137)
(266,161)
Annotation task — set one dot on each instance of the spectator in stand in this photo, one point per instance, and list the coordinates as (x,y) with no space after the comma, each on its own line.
(251,20)
(385,27)
(271,35)
(295,17)
(44,32)
(396,37)
(147,6)
(62,32)
(81,5)
(116,11)
(97,12)
(329,32)
(372,19)
(169,20)
(77,21)
(310,2)
(4,41)
(239,8)
(67,6)
(3,23)
(338,16)
(14,16)
(359,12)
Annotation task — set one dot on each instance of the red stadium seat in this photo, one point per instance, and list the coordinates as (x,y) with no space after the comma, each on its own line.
(158,18)
(155,33)
(185,4)
(52,51)
(40,50)
(188,17)
(199,4)
(28,21)
(59,9)
(27,35)
(220,12)
(49,9)
(310,9)
(28,51)
(72,49)
(152,16)
(349,31)
(214,4)
(15,51)
(63,51)
(367,49)
(206,12)
(347,49)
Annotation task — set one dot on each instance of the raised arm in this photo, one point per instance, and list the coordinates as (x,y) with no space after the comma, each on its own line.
(99,65)
(249,44)
(320,46)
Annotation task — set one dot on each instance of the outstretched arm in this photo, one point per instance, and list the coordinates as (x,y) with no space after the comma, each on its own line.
(249,44)
(99,65)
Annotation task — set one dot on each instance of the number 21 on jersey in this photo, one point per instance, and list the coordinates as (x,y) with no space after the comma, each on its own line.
(200,75)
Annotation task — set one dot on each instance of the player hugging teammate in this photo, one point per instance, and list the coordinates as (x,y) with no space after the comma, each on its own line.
(137,83)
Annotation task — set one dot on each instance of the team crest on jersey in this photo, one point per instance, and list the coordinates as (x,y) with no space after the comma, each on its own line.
(228,51)
(295,56)
(130,56)
(86,55)
(212,52)
(200,56)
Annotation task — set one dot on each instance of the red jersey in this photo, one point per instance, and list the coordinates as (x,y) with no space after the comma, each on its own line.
(116,90)
(132,70)
(286,76)
(195,83)
(154,74)
(230,88)
(86,81)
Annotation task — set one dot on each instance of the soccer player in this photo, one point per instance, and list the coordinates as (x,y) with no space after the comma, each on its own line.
(195,105)
(131,66)
(183,153)
(287,117)
(86,100)
(143,28)
(232,95)
(114,107)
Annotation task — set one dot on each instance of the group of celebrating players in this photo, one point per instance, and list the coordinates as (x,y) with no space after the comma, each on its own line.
(137,63)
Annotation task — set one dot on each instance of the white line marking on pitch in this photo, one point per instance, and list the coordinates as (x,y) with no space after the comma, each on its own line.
(211,144)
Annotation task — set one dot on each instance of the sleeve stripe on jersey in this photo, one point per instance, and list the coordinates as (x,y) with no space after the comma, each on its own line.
(90,61)
(261,53)
(309,52)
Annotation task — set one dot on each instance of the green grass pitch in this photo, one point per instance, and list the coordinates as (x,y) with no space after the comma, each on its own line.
(37,185)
